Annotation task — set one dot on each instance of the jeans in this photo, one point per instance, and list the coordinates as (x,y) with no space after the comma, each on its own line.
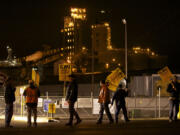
(72,112)
(174,109)
(31,109)
(118,108)
(101,112)
(8,113)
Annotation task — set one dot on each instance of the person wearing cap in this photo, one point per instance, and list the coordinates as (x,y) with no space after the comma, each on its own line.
(31,93)
(104,101)
(71,98)
(119,97)
(9,100)
(174,91)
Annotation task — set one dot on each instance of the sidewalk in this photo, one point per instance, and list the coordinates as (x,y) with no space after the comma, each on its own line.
(89,127)
(92,117)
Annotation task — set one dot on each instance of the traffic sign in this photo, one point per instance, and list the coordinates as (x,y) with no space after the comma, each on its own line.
(64,72)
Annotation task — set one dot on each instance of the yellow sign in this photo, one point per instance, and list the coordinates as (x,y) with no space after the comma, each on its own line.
(114,79)
(179,113)
(165,74)
(64,72)
(35,77)
(51,108)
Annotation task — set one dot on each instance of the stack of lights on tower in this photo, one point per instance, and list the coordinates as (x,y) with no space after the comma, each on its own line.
(139,50)
(78,13)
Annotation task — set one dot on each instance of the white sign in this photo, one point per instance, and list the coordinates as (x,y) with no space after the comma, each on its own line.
(40,102)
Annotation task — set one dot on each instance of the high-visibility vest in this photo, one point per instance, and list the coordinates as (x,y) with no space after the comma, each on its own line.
(31,95)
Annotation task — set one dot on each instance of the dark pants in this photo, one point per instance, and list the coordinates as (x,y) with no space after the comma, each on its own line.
(118,108)
(30,110)
(72,112)
(8,113)
(101,112)
(174,109)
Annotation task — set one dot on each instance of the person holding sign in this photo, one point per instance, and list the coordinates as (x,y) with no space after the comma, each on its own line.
(119,97)
(174,90)
(71,98)
(104,100)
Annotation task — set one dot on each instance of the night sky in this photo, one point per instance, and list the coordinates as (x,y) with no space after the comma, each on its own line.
(27,25)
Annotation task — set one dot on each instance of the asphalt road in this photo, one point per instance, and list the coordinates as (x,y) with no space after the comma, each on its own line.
(88,127)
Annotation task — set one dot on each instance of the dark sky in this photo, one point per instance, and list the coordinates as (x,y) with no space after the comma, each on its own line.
(27,25)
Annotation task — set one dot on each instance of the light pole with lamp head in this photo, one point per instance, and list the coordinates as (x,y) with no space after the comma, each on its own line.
(125,24)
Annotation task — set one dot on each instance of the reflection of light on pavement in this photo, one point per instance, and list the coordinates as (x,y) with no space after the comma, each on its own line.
(24,119)
(39,119)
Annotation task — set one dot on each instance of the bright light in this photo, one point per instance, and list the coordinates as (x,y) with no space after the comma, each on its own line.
(113,59)
(71,24)
(78,13)
(21,91)
(107,65)
(136,48)
(39,119)
(119,64)
(153,53)
(83,48)
(102,11)
(124,21)
(148,49)
(106,24)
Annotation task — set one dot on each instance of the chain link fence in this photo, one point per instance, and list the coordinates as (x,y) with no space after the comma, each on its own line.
(138,107)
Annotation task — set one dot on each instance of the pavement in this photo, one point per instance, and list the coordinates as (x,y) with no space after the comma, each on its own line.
(89,127)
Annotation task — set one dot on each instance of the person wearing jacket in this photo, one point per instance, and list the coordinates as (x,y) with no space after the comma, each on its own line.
(104,100)
(174,91)
(71,98)
(119,98)
(31,93)
(3,78)
(9,99)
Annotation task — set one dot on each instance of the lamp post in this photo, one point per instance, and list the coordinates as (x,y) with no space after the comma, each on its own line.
(125,33)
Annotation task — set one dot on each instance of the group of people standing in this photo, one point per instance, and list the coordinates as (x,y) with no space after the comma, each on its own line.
(32,93)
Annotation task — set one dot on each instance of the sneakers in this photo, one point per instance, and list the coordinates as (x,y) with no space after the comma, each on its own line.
(78,121)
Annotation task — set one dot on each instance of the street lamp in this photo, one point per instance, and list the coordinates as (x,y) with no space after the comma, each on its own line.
(125,33)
